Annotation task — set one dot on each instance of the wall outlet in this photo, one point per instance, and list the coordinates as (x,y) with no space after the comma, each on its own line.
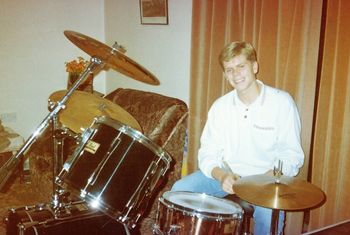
(8,117)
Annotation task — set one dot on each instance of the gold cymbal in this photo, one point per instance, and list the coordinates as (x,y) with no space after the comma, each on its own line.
(4,143)
(290,194)
(112,57)
(82,107)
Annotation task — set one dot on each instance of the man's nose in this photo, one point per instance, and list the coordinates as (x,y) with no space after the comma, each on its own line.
(235,72)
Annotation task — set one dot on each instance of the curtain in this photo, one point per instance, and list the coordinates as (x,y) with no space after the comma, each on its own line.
(286,36)
(331,151)
(295,54)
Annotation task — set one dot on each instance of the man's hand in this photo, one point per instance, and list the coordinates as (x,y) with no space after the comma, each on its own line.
(227,179)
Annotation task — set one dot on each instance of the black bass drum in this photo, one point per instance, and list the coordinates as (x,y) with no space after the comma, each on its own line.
(75,218)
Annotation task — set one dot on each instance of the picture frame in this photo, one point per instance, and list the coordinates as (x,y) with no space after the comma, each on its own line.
(154,12)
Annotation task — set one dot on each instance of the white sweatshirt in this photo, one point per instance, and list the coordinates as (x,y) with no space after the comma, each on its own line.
(251,139)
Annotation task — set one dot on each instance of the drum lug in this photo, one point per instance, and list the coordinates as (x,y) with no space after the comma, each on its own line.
(156,230)
(174,229)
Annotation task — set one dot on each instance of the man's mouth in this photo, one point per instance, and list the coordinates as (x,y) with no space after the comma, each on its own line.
(240,80)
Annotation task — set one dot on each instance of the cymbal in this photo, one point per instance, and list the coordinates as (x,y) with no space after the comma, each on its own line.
(290,194)
(82,107)
(4,143)
(112,57)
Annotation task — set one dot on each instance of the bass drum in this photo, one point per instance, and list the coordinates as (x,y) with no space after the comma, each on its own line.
(75,218)
(195,213)
(115,169)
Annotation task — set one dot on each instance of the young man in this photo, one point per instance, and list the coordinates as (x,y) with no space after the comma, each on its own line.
(247,132)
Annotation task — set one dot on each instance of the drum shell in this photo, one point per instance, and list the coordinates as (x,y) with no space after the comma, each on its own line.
(173,218)
(41,220)
(125,167)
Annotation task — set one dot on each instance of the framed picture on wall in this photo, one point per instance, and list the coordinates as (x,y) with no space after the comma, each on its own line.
(154,11)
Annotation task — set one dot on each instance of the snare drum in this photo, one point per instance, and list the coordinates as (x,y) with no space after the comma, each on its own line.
(115,169)
(194,213)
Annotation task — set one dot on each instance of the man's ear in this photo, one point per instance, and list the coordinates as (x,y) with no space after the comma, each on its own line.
(255,67)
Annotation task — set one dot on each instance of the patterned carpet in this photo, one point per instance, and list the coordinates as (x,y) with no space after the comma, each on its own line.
(17,193)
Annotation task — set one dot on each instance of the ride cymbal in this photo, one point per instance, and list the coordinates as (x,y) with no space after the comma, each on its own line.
(82,107)
(112,57)
(290,194)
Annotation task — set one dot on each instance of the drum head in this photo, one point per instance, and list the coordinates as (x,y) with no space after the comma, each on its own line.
(200,202)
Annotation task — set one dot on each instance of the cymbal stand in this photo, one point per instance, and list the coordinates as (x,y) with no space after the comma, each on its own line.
(277,171)
(9,167)
(59,135)
(59,196)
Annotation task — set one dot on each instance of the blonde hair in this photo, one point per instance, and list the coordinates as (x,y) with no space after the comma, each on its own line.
(237,48)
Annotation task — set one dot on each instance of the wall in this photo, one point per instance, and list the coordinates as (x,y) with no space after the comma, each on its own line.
(164,50)
(33,50)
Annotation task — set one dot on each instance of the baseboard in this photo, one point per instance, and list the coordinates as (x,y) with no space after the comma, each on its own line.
(327,227)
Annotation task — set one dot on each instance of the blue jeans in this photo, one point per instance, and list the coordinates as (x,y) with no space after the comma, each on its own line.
(197,182)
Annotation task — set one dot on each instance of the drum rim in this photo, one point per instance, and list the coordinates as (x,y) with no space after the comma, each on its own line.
(137,135)
(27,212)
(201,213)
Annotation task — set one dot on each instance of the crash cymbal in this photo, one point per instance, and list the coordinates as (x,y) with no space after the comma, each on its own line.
(290,194)
(82,107)
(112,57)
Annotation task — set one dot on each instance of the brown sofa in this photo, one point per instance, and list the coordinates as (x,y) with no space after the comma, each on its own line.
(163,120)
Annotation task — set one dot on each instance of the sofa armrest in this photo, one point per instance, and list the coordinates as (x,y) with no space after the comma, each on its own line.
(159,116)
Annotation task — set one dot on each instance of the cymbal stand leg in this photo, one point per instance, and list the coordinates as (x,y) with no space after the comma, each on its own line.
(127,231)
(274,221)
(9,167)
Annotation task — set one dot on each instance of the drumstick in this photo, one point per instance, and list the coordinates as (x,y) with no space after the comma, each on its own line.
(228,168)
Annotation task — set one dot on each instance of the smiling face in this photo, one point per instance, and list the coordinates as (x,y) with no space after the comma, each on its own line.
(240,66)
(241,73)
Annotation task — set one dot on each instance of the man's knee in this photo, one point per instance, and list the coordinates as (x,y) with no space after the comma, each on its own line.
(177,186)
(191,182)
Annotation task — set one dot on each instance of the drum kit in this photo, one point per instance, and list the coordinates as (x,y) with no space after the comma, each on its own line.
(109,143)
(113,169)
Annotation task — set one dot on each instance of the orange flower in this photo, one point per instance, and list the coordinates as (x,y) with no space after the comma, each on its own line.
(76,66)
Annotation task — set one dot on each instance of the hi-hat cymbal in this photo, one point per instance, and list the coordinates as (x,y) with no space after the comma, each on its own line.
(82,107)
(290,194)
(112,57)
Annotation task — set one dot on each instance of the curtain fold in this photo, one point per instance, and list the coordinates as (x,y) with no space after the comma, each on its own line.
(331,151)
